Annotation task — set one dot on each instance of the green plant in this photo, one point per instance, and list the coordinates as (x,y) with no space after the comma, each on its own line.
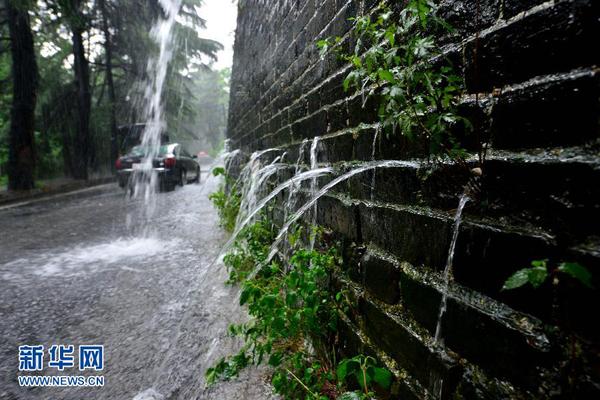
(294,319)
(227,200)
(540,271)
(365,372)
(396,58)
(249,251)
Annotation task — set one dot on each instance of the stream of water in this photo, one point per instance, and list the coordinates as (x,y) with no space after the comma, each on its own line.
(323,191)
(260,205)
(437,382)
(144,180)
(373,152)
(447,270)
(314,163)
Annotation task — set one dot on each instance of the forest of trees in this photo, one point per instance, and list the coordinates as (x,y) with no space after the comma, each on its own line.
(73,71)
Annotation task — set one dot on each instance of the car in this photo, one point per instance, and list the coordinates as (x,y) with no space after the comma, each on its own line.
(131,135)
(204,158)
(173,165)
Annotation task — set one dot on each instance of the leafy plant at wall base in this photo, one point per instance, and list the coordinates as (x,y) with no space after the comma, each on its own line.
(365,372)
(250,251)
(294,319)
(397,59)
(227,200)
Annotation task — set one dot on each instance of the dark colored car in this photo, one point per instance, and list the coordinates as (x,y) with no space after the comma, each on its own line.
(131,136)
(173,165)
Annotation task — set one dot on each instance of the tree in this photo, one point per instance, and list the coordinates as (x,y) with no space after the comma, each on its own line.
(77,24)
(92,59)
(21,159)
(114,146)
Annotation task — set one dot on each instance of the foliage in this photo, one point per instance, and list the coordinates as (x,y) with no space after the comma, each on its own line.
(365,372)
(201,108)
(540,271)
(192,92)
(5,101)
(294,320)
(227,200)
(396,59)
(250,251)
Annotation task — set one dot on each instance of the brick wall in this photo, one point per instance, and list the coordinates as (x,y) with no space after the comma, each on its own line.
(533,64)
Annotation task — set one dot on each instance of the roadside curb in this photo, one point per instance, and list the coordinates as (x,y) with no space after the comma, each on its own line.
(40,194)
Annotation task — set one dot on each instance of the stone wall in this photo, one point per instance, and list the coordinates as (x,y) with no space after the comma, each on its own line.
(533,65)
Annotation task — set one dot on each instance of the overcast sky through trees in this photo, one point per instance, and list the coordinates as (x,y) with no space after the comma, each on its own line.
(220,16)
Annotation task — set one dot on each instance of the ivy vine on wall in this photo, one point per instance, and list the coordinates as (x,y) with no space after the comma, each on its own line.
(397,59)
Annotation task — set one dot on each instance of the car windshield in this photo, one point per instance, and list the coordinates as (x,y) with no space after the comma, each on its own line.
(142,151)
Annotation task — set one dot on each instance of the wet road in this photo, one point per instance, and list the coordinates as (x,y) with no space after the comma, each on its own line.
(79,271)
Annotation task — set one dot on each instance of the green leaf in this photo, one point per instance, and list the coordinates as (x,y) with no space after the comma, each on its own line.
(211,376)
(275,359)
(578,272)
(245,296)
(347,82)
(363,379)
(218,171)
(345,368)
(537,276)
(386,75)
(383,377)
(517,280)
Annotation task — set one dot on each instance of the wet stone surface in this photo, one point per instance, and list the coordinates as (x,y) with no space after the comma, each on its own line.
(75,272)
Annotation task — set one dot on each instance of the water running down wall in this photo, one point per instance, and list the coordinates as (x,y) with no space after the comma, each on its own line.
(531,64)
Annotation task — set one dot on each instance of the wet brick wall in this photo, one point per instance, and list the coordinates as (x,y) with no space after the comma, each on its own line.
(534,65)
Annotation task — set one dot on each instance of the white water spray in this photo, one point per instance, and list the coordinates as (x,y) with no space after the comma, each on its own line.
(252,178)
(145,180)
(314,162)
(285,185)
(373,151)
(457,220)
(367,167)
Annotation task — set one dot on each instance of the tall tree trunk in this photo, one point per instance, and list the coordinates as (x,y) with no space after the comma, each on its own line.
(84,99)
(21,158)
(114,146)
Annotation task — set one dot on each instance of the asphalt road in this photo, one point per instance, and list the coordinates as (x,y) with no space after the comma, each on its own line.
(92,270)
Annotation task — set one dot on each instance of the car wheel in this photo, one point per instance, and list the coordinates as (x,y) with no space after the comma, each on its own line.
(182,178)
(197,180)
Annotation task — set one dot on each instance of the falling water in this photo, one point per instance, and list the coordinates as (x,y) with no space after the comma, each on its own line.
(314,162)
(457,220)
(145,180)
(367,167)
(252,178)
(291,198)
(285,185)
(293,190)
(373,151)
(255,188)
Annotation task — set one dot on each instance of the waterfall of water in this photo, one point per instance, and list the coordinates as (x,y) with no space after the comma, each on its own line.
(145,180)
(314,162)
(437,382)
(252,178)
(367,167)
(455,230)
(289,203)
(260,205)
(373,151)
(291,198)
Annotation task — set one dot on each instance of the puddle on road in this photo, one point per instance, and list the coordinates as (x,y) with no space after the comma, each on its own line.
(149,394)
(124,253)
